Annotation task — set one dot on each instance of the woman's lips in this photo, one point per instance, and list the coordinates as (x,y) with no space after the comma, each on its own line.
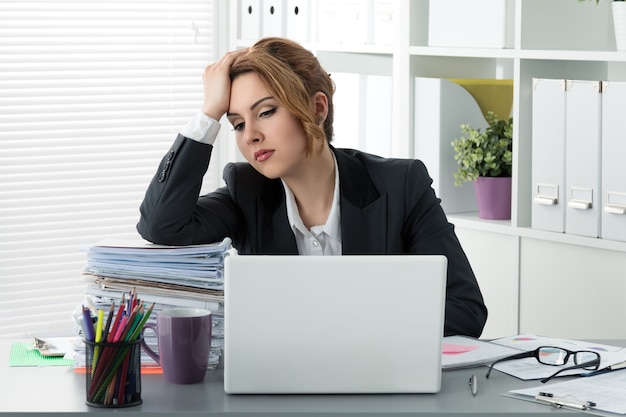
(263,155)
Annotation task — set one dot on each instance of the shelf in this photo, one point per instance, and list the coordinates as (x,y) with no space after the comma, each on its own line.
(534,54)
(554,55)
(462,52)
(473,222)
(470,220)
(351,48)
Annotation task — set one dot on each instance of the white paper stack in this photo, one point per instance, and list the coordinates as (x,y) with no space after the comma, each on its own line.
(168,276)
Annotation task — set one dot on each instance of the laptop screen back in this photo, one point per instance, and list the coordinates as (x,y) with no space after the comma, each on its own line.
(335,324)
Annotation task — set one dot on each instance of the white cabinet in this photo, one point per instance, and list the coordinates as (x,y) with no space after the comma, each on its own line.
(573,292)
(560,39)
(493,258)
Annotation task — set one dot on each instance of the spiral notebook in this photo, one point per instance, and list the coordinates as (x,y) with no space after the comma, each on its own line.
(465,352)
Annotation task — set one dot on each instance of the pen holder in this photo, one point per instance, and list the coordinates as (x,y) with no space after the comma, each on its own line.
(113,373)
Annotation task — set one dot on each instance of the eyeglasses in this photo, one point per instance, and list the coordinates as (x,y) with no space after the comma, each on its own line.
(554,356)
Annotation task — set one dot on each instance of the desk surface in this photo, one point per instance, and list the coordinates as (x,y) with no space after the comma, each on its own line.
(51,390)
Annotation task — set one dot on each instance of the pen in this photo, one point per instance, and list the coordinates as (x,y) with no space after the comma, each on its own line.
(614,367)
(473,383)
(557,402)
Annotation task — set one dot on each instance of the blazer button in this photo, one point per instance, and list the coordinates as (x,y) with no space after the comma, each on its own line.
(162,176)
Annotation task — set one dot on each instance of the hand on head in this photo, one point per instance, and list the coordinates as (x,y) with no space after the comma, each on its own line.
(216,82)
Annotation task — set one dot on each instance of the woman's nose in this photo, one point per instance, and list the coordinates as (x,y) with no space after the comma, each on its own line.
(252,135)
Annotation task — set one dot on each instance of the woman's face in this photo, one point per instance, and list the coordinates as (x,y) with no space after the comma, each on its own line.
(268,135)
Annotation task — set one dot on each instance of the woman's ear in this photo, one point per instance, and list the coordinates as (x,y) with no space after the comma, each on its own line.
(320,103)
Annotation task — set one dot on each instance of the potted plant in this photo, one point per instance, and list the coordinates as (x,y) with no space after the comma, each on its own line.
(486,157)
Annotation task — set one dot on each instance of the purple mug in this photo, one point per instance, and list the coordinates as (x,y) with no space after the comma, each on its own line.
(184,340)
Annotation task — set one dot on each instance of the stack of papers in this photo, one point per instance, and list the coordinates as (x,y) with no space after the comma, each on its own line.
(530,368)
(600,392)
(168,276)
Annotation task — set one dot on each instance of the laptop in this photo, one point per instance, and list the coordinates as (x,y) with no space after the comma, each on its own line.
(333,324)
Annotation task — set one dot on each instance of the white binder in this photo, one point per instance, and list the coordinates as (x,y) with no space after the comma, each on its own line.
(273,16)
(354,21)
(613,156)
(378,108)
(362,107)
(250,18)
(582,157)
(384,17)
(441,106)
(474,23)
(329,24)
(548,154)
(343,21)
(347,131)
(298,14)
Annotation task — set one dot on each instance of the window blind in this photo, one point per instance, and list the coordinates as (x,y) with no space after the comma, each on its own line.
(92,94)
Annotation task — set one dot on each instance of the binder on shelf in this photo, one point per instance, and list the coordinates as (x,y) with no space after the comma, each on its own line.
(299,20)
(441,106)
(346,101)
(384,16)
(250,19)
(343,21)
(273,18)
(582,157)
(378,107)
(354,21)
(329,24)
(362,107)
(613,211)
(548,154)
(476,23)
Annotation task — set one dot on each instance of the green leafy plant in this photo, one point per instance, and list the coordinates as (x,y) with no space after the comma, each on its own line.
(484,154)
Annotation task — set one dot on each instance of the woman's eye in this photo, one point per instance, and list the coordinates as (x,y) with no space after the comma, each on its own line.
(238,127)
(268,112)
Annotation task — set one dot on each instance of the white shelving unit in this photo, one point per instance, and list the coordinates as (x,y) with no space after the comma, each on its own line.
(533,281)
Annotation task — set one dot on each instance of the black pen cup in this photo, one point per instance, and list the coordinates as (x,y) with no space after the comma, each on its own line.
(113,374)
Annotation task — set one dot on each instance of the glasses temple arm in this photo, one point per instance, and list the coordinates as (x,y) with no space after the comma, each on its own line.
(579,366)
(510,358)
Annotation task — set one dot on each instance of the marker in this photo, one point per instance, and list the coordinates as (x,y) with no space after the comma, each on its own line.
(88,325)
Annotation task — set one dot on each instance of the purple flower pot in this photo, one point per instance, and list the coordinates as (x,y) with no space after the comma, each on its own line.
(493,195)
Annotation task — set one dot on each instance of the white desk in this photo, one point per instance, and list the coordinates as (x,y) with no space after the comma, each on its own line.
(49,390)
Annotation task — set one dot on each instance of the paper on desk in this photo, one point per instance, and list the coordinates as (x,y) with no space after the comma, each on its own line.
(606,390)
(464,351)
(531,369)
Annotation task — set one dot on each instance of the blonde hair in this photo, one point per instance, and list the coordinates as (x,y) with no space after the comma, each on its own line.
(292,74)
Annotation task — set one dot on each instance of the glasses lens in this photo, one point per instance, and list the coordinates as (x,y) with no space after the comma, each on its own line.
(552,356)
(584,357)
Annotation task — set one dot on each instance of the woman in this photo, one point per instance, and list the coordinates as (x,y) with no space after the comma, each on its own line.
(297,194)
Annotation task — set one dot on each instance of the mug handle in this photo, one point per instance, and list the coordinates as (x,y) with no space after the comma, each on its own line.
(150,352)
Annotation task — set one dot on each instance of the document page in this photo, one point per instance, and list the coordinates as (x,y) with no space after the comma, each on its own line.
(530,368)
(606,391)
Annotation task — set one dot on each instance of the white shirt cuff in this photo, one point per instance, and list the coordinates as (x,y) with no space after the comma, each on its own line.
(201,128)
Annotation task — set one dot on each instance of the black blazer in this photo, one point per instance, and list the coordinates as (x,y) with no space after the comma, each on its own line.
(387,207)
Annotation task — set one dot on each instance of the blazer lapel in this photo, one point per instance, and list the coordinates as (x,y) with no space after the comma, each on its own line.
(363,209)
(275,236)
